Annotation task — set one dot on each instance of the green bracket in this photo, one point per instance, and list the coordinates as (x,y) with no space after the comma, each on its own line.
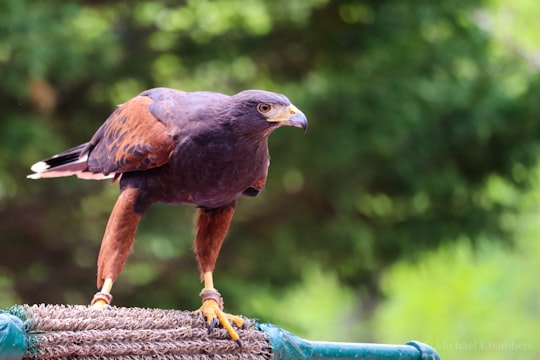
(13,341)
(289,346)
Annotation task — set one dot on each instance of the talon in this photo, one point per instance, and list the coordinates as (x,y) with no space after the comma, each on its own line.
(212,310)
(239,343)
(213,324)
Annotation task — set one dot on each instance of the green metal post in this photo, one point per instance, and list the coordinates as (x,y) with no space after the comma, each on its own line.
(13,342)
(288,346)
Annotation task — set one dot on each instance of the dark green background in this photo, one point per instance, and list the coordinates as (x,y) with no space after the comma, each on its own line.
(412,110)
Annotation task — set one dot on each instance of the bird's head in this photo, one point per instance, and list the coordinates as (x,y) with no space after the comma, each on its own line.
(265,111)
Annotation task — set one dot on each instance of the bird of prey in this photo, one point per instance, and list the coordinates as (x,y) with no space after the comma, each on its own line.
(175,147)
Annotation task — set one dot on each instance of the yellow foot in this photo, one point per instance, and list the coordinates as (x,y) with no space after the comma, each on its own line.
(212,309)
(101,301)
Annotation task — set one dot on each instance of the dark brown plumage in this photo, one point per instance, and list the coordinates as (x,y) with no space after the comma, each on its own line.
(166,145)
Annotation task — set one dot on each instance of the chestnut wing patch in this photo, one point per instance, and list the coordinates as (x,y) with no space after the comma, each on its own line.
(131,139)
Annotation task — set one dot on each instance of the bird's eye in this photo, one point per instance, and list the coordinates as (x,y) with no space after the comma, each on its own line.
(264,108)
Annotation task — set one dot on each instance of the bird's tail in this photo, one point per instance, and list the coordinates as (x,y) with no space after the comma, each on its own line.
(67,163)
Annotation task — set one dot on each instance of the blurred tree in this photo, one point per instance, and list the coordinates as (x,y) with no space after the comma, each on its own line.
(410,115)
(463,295)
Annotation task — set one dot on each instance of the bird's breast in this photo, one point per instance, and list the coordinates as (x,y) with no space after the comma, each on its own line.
(208,175)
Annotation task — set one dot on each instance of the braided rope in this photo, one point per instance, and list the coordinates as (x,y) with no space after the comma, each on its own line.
(68,332)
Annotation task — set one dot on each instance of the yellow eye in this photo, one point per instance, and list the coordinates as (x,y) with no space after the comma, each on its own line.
(264,108)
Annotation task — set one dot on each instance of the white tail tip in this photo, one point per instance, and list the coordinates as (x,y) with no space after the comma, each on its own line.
(40,167)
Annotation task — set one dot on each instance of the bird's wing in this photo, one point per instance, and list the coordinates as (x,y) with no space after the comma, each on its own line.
(131,139)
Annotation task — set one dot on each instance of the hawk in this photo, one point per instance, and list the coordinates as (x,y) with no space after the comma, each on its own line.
(175,147)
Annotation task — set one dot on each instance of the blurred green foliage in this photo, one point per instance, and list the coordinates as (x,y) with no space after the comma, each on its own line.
(423,131)
(479,304)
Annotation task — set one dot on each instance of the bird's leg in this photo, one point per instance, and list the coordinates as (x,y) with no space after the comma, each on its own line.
(116,244)
(103,298)
(212,226)
(212,308)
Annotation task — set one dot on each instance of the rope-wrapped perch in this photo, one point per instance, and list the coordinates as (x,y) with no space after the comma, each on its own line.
(62,332)
(81,332)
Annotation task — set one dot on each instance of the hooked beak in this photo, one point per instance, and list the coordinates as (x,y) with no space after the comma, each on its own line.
(291,116)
